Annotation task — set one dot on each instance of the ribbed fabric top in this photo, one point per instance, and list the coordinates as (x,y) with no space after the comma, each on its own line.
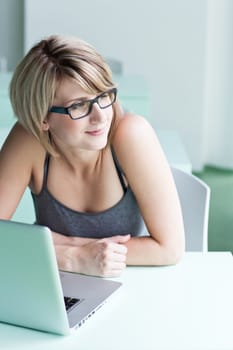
(121,219)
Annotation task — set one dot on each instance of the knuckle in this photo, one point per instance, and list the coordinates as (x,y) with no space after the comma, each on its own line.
(105,256)
(104,245)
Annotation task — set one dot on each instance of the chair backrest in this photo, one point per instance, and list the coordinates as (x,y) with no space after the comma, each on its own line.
(194,197)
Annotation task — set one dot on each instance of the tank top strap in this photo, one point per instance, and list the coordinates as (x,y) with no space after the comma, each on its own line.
(119,170)
(117,165)
(46,170)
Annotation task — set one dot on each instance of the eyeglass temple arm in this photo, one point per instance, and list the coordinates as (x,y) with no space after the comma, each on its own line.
(61,110)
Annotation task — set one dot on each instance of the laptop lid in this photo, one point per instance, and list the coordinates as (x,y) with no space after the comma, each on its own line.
(31,292)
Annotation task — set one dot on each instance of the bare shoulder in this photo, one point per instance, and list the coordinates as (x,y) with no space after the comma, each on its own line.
(135,137)
(20,158)
(130,125)
(21,141)
(18,133)
(140,154)
(20,149)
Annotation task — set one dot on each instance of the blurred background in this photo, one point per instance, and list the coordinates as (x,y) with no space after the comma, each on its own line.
(177,58)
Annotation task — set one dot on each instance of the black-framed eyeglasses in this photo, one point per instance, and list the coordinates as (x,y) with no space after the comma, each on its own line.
(82,109)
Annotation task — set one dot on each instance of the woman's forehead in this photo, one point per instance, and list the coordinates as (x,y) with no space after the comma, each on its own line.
(68,90)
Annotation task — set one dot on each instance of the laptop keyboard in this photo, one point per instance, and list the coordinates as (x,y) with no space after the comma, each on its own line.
(70,302)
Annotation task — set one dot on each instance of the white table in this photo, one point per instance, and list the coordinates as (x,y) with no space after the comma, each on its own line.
(184,307)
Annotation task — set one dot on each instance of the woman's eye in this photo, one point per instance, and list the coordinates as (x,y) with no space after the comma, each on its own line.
(79,105)
(106,95)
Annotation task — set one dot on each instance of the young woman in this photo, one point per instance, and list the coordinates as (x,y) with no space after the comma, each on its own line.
(98,176)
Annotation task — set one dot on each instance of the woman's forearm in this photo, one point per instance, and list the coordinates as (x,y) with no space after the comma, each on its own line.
(104,257)
(60,239)
(73,251)
(147,251)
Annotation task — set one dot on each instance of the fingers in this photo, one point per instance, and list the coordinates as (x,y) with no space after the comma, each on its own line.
(113,251)
(113,259)
(104,257)
(112,269)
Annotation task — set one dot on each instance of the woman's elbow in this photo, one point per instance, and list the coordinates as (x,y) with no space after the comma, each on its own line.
(176,254)
(175,251)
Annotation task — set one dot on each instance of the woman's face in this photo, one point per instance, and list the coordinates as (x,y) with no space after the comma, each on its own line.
(88,133)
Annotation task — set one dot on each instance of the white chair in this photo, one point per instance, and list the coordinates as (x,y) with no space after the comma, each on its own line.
(194,197)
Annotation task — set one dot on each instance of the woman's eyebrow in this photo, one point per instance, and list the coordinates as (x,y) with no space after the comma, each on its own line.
(77,99)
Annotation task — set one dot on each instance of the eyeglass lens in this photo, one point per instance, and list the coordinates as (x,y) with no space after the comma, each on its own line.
(81,109)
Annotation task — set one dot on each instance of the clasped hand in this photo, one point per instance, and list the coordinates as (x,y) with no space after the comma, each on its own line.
(104,257)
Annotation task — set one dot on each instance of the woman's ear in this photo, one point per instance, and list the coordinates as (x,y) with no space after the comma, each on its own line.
(45,125)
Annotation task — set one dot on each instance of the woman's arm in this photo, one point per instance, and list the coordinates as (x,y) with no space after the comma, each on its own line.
(21,160)
(148,174)
(16,157)
(100,257)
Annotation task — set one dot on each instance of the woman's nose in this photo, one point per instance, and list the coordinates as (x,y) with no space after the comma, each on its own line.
(97,114)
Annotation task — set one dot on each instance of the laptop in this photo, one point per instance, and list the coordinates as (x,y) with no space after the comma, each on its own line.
(34,293)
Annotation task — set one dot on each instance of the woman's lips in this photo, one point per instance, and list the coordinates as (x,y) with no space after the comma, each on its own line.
(96,132)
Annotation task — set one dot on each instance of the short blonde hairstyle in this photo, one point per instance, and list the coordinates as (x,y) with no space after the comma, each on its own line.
(38,75)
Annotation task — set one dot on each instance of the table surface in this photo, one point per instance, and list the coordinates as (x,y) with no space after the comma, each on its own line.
(185,307)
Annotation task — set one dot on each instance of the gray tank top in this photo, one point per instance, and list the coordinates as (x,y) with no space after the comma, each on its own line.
(121,219)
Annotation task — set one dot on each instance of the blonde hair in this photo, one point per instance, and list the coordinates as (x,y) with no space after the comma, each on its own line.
(36,78)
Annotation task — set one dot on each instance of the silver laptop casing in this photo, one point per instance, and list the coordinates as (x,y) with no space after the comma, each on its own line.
(32,289)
